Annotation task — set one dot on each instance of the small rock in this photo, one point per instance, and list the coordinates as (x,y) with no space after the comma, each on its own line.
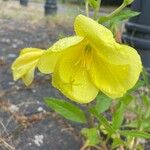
(11,56)
(38,140)
(14,108)
(40,109)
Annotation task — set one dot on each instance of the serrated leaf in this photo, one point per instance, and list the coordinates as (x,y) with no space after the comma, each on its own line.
(103,103)
(118,116)
(106,124)
(116,143)
(134,133)
(91,135)
(66,109)
(102,120)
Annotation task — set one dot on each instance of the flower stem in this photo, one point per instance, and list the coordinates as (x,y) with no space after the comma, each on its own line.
(122,6)
(87,8)
(96,11)
(90,118)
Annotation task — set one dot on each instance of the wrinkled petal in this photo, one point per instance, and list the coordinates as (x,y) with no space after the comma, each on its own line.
(115,80)
(73,80)
(100,38)
(28,77)
(48,61)
(24,62)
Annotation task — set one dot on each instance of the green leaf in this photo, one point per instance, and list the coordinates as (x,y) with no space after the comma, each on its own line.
(91,135)
(66,109)
(123,15)
(126,99)
(139,84)
(146,100)
(106,124)
(118,116)
(134,133)
(103,103)
(114,21)
(102,120)
(116,143)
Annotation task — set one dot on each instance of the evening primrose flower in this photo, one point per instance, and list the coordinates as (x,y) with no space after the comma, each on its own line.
(24,66)
(89,62)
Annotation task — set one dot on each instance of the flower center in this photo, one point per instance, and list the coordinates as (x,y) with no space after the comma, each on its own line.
(85,58)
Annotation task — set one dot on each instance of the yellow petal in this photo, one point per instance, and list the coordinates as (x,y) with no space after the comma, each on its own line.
(100,38)
(115,80)
(29,50)
(24,62)
(135,65)
(73,80)
(28,77)
(94,32)
(65,43)
(48,61)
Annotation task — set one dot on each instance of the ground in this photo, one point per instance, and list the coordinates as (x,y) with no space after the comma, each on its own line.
(25,122)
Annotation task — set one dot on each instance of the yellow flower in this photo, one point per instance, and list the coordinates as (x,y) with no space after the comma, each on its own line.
(90,62)
(24,66)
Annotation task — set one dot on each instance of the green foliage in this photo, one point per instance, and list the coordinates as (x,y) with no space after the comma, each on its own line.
(91,135)
(134,133)
(128,2)
(66,109)
(93,3)
(103,103)
(118,116)
(114,21)
(117,142)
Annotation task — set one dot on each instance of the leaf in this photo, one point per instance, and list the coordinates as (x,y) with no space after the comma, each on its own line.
(66,109)
(106,124)
(112,22)
(137,86)
(102,120)
(122,15)
(146,100)
(118,116)
(126,99)
(116,143)
(134,133)
(103,103)
(91,135)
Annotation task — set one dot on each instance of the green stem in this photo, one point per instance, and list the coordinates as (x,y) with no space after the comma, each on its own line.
(87,8)
(90,117)
(115,12)
(122,6)
(96,11)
